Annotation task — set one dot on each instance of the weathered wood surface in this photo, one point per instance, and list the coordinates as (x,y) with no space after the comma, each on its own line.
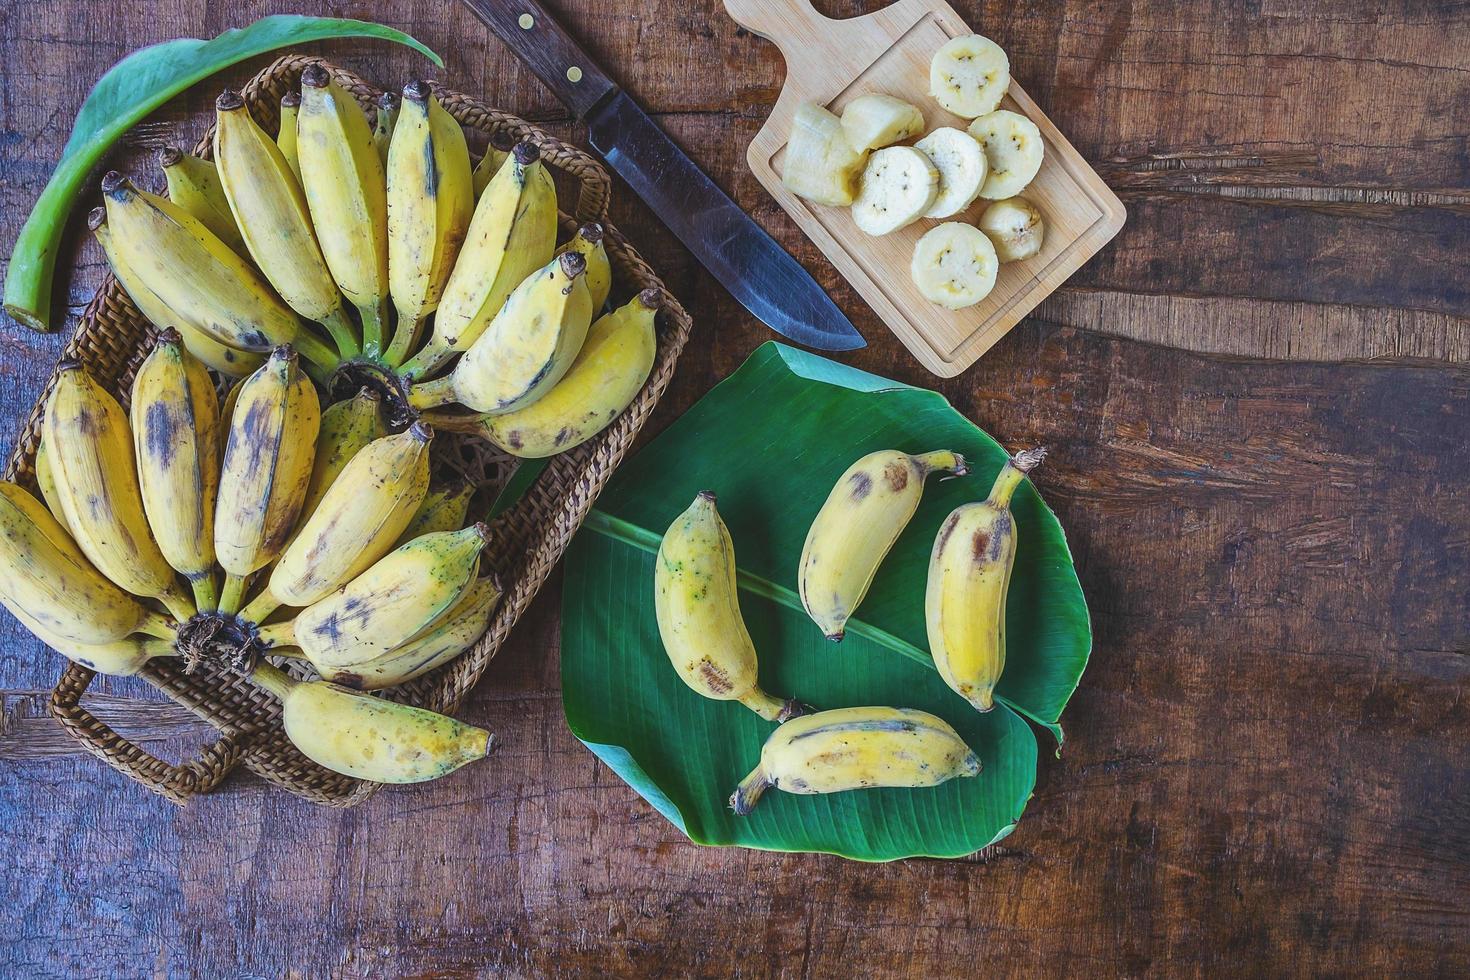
(1265,769)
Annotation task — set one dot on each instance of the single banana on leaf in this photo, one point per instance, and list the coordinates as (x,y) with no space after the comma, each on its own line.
(90,449)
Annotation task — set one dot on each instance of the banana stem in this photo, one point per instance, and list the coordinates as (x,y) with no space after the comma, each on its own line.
(404,335)
(155,625)
(273,679)
(453,422)
(1012,474)
(943,460)
(177,603)
(257,609)
(229,600)
(426,361)
(206,595)
(432,394)
(748,792)
(314,350)
(763,704)
(371,313)
(277,634)
(342,331)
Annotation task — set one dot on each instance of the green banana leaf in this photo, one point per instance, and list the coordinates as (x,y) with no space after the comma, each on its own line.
(772,439)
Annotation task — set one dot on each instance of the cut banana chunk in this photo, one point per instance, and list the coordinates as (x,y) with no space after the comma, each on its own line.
(899,185)
(969,74)
(954,265)
(1014,227)
(872,121)
(820,164)
(1013,147)
(962,166)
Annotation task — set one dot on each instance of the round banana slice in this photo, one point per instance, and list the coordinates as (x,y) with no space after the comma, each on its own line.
(1013,148)
(871,121)
(1015,227)
(960,160)
(899,185)
(954,265)
(969,74)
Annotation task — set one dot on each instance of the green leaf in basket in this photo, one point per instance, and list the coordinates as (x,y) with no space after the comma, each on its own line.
(772,439)
(130,90)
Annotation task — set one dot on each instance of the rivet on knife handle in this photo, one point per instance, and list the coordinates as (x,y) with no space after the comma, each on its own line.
(558,60)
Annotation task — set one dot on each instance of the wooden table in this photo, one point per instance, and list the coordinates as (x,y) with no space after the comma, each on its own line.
(1258,402)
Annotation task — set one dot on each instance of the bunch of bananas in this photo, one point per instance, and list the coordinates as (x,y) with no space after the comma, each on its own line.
(697,607)
(380,254)
(181,528)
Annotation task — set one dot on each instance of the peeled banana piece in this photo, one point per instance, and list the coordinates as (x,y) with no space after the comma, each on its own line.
(954,265)
(1014,150)
(1015,227)
(698,611)
(899,185)
(960,160)
(857,748)
(969,75)
(602,382)
(969,576)
(366,737)
(873,121)
(820,164)
(868,508)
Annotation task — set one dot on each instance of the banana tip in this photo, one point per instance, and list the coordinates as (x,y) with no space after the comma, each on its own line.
(707,495)
(591,232)
(793,708)
(972,764)
(526,153)
(96,218)
(420,431)
(170,156)
(229,100)
(572,264)
(115,185)
(483,530)
(651,298)
(418,91)
(960,468)
(68,364)
(1028,459)
(315,76)
(836,635)
(388,101)
(168,337)
(291,100)
(503,141)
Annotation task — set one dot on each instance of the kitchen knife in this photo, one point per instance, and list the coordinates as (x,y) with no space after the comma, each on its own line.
(756,271)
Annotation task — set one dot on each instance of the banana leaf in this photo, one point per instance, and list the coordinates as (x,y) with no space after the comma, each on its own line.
(772,439)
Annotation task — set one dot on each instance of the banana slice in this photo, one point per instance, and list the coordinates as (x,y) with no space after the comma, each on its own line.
(1013,148)
(969,74)
(899,185)
(871,121)
(954,265)
(962,166)
(1015,227)
(820,165)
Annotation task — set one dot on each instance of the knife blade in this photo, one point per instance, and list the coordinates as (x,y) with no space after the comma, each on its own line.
(748,262)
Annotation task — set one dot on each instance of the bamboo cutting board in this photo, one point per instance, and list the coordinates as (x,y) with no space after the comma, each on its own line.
(830,62)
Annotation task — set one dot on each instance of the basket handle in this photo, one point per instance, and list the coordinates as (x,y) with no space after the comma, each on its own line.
(175,783)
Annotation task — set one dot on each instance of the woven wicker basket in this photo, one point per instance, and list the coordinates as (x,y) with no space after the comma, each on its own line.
(528,539)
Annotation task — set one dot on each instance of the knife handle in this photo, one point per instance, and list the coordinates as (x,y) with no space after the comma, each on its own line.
(547,49)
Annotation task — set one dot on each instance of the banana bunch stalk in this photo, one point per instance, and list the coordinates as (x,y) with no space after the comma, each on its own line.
(364,736)
(342,176)
(857,748)
(267,465)
(175,420)
(698,611)
(271,213)
(601,383)
(969,576)
(90,454)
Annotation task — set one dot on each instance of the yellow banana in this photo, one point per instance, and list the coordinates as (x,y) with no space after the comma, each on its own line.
(405,593)
(120,658)
(46,483)
(969,575)
(364,736)
(588,243)
(441,510)
(430,201)
(602,382)
(346,427)
(226,360)
(512,234)
(501,144)
(193,184)
(175,422)
(342,176)
(271,212)
(90,451)
(864,514)
(857,748)
(267,465)
(356,523)
(46,576)
(192,272)
(457,632)
(527,348)
(383,122)
(698,612)
(286,135)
